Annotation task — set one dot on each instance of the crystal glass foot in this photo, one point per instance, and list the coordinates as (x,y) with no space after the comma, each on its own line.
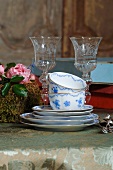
(85,49)
(44,59)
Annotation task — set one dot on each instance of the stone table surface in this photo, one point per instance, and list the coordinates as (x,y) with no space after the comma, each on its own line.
(25,146)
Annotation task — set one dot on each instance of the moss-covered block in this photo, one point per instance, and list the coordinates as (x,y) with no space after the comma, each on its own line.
(11,106)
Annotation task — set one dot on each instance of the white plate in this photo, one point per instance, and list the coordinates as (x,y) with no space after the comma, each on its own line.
(49,109)
(29,117)
(66,128)
(81,117)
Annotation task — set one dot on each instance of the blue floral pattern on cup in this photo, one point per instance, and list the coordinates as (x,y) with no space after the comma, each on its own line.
(79,102)
(55,89)
(67,101)
(56,103)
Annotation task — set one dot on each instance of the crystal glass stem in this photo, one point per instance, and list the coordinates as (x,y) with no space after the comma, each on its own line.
(87,78)
(44,91)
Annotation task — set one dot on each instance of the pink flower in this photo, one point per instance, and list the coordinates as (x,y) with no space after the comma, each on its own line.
(32,77)
(21,70)
(1,69)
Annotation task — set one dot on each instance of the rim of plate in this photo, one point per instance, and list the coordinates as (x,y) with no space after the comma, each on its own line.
(49,109)
(26,116)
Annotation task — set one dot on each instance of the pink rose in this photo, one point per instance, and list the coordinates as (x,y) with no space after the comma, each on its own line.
(21,70)
(32,77)
(1,69)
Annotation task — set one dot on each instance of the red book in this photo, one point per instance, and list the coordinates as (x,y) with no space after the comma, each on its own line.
(101,96)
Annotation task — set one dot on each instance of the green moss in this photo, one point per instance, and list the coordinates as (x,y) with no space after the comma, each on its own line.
(34,96)
(11,106)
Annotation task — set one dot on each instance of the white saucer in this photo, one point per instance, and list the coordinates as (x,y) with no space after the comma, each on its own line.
(80,117)
(69,113)
(49,109)
(61,127)
(29,117)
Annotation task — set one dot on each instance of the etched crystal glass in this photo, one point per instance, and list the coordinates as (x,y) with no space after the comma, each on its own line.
(86,49)
(44,59)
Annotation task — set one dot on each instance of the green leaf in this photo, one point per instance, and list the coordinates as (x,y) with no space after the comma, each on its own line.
(4,78)
(16,79)
(9,65)
(5,89)
(20,90)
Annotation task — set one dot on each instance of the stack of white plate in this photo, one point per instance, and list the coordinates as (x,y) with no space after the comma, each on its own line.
(60,120)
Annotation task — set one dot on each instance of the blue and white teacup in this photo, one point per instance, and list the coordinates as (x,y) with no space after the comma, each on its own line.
(60,82)
(67,101)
